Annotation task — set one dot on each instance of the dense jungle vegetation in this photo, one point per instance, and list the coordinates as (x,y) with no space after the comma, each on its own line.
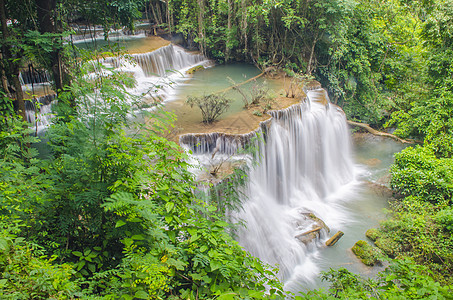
(110,213)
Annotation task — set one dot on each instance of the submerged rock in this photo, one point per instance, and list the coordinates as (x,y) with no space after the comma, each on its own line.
(373,162)
(380,189)
(195,69)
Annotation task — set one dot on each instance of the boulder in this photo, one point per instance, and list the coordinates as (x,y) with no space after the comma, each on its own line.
(367,254)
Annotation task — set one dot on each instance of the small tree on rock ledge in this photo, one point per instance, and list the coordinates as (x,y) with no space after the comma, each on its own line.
(211,106)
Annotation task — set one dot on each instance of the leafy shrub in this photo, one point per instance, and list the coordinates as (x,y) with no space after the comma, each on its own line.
(211,106)
(403,279)
(445,219)
(26,274)
(257,113)
(418,172)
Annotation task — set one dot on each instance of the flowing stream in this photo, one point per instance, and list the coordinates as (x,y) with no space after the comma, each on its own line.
(305,170)
(306,167)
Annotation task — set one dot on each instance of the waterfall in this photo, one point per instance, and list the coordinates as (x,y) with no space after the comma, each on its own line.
(304,163)
(157,71)
(38,111)
(34,77)
(162,61)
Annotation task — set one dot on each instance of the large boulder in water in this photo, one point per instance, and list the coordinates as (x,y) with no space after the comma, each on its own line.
(367,254)
(314,232)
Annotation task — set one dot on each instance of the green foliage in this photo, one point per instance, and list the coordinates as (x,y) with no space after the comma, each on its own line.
(116,202)
(445,219)
(419,229)
(401,280)
(27,274)
(418,172)
(211,106)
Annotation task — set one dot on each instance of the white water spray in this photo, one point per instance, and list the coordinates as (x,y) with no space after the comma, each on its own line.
(304,166)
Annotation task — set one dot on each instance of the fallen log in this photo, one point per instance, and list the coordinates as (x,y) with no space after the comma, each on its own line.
(317,229)
(380,133)
(334,239)
(239,84)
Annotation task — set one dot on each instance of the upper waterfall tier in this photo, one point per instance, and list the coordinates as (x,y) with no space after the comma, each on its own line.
(163,60)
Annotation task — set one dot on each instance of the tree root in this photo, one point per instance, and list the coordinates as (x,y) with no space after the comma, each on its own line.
(380,133)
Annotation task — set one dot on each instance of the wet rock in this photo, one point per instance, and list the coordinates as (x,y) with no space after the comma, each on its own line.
(309,236)
(373,234)
(194,69)
(318,221)
(387,245)
(380,189)
(373,162)
(317,225)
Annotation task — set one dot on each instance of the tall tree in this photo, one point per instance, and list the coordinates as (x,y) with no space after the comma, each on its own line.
(11,61)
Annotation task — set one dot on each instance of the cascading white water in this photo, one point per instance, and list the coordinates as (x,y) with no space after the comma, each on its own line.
(39,112)
(304,163)
(152,71)
(156,71)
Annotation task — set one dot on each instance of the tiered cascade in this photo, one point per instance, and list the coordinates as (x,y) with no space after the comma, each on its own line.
(304,160)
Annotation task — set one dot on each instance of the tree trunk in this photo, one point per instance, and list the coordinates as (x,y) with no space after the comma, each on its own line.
(153,11)
(244,25)
(168,17)
(3,76)
(228,37)
(201,35)
(45,9)
(11,63)
(334,239)
(159,12)
(310,68)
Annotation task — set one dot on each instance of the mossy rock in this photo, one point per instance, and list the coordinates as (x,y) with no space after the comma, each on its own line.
(318,221)
(387,245)
(368,254)
(373,234)
(194,69)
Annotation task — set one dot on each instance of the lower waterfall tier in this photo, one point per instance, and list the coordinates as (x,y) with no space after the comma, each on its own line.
(303,160)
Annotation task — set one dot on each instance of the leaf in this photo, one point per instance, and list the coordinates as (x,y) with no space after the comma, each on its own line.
(77,253)
(3,244)
(214,265)
(92,268)
(120,223)
(128,242)
(227,296)
(3,282)
(179,265)
(141,295)
(80,265)
(138,237)
(169,206)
